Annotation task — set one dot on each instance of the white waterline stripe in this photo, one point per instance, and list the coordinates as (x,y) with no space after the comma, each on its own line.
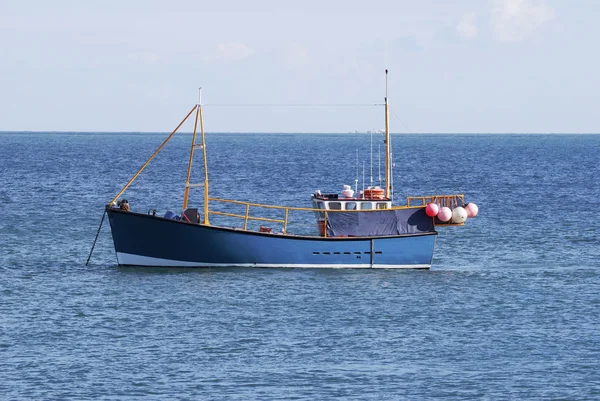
(137,260)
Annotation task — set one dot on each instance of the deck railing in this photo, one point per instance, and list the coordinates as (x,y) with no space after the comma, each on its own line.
(285,211)
(450,201)
(247,216)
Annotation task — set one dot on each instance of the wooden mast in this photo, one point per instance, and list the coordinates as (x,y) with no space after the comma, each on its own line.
(205,167)
(388,158)
(195,146)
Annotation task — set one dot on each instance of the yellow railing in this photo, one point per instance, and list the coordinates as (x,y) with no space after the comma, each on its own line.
(248,217)
(450,201)
(286,209)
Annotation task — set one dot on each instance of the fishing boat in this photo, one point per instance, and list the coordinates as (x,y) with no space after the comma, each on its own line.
(352,229)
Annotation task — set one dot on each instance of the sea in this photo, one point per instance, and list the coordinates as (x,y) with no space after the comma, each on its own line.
(510,308)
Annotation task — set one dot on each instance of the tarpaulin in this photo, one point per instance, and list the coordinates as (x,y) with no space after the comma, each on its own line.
(379,223)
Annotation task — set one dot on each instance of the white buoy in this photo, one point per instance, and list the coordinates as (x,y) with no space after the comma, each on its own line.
(459,215)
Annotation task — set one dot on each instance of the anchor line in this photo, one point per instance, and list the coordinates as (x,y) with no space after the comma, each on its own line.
(96,239)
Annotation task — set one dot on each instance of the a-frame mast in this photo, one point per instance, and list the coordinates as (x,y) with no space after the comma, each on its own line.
(195,146)
(189,171)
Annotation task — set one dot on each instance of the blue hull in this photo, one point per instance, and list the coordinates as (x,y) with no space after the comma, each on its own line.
(145,240)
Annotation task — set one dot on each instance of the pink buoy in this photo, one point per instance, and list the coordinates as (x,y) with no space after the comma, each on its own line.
(432,209)
(445,214)
(471,209)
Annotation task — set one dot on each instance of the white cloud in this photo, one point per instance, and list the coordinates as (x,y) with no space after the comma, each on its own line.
(513,20)
(466,28)
(233,51)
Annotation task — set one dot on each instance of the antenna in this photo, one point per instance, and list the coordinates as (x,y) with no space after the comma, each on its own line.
(200,95)
(371,159)
(363,185)
(356,180)
(386,86)
(379,163)
(392,177)
(386,56)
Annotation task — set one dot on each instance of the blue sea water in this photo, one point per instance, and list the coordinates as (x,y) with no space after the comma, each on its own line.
(509,310)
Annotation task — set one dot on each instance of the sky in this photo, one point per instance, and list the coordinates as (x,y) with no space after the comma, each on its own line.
(461,66)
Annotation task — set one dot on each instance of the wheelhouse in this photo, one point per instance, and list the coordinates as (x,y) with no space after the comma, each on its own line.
(335,202)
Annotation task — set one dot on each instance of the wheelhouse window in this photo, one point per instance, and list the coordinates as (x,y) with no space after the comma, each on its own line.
(350,205)
(319,205)
(382,205)
(335,206)
(366,206)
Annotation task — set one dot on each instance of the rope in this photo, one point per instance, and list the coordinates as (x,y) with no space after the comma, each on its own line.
(292,104)
(96,239)
(406,129)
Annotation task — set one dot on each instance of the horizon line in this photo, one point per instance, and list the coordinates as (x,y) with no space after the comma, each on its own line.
(294,132)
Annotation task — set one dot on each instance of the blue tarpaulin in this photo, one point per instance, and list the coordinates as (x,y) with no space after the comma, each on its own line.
(379,223)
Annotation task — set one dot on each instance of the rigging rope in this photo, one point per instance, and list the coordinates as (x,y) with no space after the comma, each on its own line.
(408,131)
(96,239)
(292,104)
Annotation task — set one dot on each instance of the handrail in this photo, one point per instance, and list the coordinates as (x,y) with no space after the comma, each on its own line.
(286,221)
(308,209)
(246,216)
(442,200)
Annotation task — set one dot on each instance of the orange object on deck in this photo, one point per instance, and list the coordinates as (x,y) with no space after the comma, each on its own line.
(374,193)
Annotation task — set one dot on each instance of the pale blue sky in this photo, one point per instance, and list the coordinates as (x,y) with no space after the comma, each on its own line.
(455,66)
